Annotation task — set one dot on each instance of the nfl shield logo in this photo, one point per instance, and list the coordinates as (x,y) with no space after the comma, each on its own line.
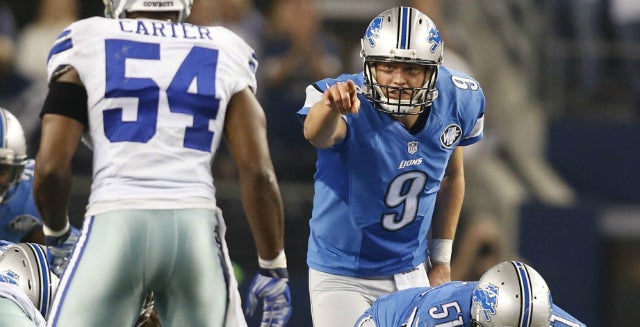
(412,147)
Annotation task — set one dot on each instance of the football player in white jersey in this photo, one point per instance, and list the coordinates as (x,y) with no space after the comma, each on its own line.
(389,143)
(154,97)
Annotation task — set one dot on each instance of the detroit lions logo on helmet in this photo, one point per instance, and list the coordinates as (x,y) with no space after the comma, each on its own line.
(487,298)
(9,277)
(434,39)
(373,31)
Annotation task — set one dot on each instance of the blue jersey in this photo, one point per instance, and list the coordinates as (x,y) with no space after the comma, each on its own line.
(18,214)
(375,191)
(445,305)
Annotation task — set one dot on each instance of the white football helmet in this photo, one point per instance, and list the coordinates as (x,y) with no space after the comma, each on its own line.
(13,151)
(25,265)
(402,35)
(120,8)
(511,293)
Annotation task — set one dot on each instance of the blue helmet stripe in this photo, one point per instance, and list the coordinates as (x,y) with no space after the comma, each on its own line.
(526,300)
(43,275)
(404,27)
(3,129)
(46,282)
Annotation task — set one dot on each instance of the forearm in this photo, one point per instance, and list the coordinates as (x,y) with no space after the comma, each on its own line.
(444,224)
(51,188)
(322,127)
(448,207)
(263,206)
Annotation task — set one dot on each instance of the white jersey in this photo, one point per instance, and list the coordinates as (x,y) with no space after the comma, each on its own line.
(16,295)
(157,100)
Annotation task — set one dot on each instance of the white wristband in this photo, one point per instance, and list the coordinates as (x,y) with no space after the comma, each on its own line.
(52,233)
(441,249)
(279,262)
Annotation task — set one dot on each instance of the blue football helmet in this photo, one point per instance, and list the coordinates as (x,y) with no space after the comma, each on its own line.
(120,8)
(511,293)
(402,35)
(13,151)
(25,265)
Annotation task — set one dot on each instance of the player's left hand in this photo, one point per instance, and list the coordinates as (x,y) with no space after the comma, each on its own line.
(272,286)
(439,273)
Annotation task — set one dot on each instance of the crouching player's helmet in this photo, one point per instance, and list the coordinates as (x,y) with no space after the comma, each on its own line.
(13,151)
(402,35)
(511,293)
(120,8)
(25,265)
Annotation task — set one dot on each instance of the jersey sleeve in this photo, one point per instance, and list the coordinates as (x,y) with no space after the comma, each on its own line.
(243,61)
(464,93)
(64,52)
(472,112)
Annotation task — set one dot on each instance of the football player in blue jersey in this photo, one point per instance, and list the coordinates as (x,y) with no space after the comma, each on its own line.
(154,97)
(510,293)
(19,218)
(389,167)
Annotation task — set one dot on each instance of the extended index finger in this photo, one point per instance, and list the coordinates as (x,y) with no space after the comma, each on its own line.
(351,87)
(353,97)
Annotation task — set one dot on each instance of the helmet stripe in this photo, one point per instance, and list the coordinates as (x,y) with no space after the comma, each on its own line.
(43,276)
(3,129)
(525,291)
(45,288)
(404,27)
